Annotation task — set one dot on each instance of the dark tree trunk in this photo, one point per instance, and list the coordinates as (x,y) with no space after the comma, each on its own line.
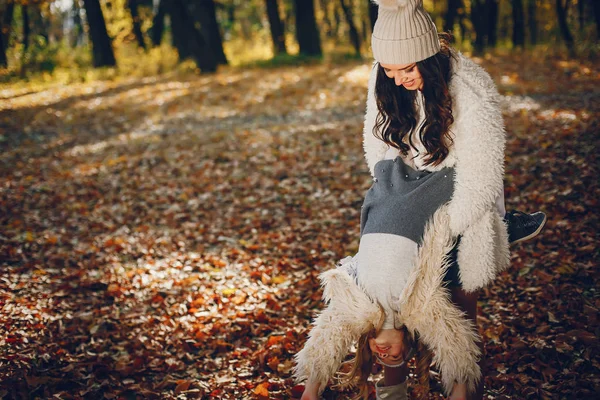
(189,37)
(137,27)
(451,14)
(277,31)
(7,23)
(581,14)
(26,27)
(372,13)
(354,36)
(596,6)
(102,51)
(158,23)
(77,24)
(205,13)
(562,12)
(307,33)
(4,27)
(532,21)
(178,17)
(478,18)
(37,22)
(492,23)
(3,59)
(518,36)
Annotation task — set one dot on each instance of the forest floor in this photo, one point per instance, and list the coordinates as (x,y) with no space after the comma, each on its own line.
(162,237)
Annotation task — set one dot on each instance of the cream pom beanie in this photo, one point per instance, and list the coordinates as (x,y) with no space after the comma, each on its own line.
(404,33)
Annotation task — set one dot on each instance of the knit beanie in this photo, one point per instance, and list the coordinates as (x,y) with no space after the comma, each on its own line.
(404,33)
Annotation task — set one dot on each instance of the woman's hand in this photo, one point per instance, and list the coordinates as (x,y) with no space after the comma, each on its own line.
(311,391)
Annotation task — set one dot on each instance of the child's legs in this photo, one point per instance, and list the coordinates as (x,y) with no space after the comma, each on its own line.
(468,303)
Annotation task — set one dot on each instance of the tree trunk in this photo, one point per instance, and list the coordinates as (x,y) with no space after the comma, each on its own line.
(277,31)
(3,47)
(158,23)
(189,37)
(354,37)
(77,34)
(137,27)
(326,18)
(562,12)
(581,14)
(26,27)
(7,22)
(178,19)
(532,21)
(492,22)
(518,36)
(37,22)
(102,51)
(307,33)
(596,6)
(373,10)
(451,15)
(205,13)
(478,18)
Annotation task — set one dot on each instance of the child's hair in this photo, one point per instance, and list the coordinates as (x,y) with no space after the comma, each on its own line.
(361,366)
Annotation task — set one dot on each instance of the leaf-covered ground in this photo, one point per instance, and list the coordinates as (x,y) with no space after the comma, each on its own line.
(162,237)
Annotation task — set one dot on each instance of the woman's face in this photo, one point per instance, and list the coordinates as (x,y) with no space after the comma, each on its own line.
(406,75)
(389,345)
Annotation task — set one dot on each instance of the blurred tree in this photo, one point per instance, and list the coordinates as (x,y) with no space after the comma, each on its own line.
(276,27)
(518,35)
(205,14)
(451,14)
(307,33)
(6,20)
(132,5)
(102,52)
(532,21)
(492,22)
(5,24)
(596,7)
(188,39)
(562,12)
(77,24)
(26,27)
(372,13)
(158,23)
(479,21)
(354,37)
(326,17)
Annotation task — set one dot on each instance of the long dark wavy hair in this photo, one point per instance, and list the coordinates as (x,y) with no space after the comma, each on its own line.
(397,117)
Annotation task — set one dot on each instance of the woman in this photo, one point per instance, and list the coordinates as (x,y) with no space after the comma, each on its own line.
(432,221)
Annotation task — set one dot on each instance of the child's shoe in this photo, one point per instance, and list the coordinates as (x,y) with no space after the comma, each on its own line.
(522,226)
(396,392)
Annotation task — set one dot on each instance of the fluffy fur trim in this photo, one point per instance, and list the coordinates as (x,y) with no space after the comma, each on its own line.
(349,313)
(391,4)
(479,145)
(478,158)
(426,309)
